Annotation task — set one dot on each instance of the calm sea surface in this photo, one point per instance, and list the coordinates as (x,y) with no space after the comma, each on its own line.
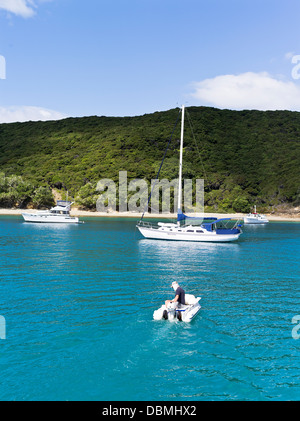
(78,304)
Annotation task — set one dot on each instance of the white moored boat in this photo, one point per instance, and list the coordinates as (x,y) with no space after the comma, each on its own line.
(217,230)
(184,313)
(255,218)
(58,214)
(208,231)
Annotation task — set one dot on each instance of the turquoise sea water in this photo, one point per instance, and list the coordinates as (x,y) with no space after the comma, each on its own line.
(78,304)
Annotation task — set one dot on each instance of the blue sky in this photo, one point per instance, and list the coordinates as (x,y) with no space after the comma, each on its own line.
(130,57)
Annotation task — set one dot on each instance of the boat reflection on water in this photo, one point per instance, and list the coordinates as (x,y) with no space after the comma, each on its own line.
(167,251)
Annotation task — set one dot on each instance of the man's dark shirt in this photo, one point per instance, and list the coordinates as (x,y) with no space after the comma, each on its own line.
(181,293)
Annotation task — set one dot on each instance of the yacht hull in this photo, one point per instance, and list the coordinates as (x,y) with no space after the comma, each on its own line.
(156,233)
(30,217)
(255,220)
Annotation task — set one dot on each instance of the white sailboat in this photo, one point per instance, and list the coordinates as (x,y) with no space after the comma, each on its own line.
(58,214)
(207,231)
(255,218)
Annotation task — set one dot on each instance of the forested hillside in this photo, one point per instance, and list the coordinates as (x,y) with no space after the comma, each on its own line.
(245,157)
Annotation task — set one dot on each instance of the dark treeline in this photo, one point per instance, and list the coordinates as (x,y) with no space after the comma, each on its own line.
(245,157)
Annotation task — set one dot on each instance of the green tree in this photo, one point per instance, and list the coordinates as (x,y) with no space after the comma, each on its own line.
(42,197)
(14,191)
(87,196)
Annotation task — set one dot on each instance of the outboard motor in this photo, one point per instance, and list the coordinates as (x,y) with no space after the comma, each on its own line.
(165,315)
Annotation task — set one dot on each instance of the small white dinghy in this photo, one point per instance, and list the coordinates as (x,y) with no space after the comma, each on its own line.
(181,312)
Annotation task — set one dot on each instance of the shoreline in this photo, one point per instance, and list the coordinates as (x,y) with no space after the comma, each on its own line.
(81,213)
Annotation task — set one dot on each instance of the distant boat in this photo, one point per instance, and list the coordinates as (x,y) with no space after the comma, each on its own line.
(58,214)
(255,218)
(212,231)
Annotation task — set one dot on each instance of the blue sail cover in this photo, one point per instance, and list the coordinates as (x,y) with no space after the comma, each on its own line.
(181,217)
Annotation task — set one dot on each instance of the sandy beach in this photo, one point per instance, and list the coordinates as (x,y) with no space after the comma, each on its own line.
(289,217)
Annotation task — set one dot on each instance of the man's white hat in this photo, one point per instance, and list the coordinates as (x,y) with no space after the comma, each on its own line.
(175,285)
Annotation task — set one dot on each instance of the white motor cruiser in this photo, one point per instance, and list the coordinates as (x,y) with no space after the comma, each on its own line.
(255,218)
(58,214)
(182,312)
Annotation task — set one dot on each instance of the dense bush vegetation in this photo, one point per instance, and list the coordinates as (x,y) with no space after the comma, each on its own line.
(245,157)
(15,192)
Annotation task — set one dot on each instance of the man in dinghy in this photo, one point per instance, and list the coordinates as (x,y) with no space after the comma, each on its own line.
(183,307)
(179,295)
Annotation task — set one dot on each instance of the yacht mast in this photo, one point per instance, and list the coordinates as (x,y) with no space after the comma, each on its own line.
(180,166)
